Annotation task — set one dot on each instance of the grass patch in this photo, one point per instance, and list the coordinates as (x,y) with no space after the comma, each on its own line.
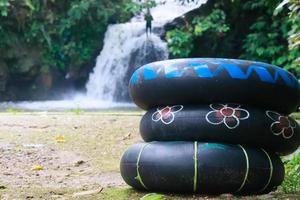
(76,111)
(120,194)
(291,182)
(296,115)
(13,110)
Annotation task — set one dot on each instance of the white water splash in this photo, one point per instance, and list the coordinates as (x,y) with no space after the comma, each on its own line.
(121,41)
(84,104)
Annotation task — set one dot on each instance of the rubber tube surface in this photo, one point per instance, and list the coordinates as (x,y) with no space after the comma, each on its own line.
(211,80)
(207,168)
(225,123)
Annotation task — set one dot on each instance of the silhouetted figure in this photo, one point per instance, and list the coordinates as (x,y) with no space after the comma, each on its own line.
(148,19)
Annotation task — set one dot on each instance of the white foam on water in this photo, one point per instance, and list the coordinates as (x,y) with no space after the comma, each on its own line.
(85,104)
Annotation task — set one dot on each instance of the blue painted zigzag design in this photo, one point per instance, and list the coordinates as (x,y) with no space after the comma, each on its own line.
(202,70)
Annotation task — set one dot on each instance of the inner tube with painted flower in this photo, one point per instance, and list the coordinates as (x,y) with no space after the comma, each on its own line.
(208,168)
(211,80)
(225,123)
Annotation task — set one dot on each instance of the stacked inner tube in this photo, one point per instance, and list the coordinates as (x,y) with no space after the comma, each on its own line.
(212,126)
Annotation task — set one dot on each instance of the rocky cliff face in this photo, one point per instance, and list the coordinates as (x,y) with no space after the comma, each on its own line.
(24,77)
(187,18)
(147,53)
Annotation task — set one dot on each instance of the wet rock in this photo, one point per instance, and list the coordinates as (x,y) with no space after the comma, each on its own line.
(147,53)
(45,82)
(3,75)
(185,19)
(25,63)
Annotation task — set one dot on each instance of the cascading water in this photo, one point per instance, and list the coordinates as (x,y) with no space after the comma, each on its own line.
(125,48)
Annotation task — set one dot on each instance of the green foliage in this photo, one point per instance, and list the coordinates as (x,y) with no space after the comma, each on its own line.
(181,40)
(4,6)
(152,196)
(66,32)
(138,7)
(294,33)
(263,41)
(215,22)
(29,4)
(242,29)
(13,111)
(291,182)
(268,38)
(76,111)
(296,115)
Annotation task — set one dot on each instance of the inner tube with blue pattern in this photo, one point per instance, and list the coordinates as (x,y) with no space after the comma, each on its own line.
(206,168)
(225,123)
(214,80)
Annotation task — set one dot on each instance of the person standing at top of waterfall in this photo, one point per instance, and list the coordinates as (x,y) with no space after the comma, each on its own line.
(148,19)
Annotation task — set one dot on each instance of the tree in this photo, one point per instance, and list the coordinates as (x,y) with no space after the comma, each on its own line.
(66,32)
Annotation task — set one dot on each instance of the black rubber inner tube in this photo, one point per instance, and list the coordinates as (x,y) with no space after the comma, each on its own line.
(209,168)
(213,80)
(225,123)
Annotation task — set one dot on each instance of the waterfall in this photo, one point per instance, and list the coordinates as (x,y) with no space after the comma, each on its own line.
(127,47)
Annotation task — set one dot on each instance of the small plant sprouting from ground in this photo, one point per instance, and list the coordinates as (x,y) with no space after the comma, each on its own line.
(13,110)
(291,183)
(76,111)
(152,196)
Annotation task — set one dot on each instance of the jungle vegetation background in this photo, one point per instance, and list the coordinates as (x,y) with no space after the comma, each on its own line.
(68,34)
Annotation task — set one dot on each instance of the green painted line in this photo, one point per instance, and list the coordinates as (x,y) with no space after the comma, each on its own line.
(138,177)
(271,171)
(195,166)
(247,169)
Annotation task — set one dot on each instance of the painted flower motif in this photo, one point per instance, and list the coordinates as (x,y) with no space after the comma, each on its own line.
(228,114)
(282,125)
(167,114)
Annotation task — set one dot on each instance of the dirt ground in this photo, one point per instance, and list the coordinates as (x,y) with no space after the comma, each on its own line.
(68,155)
(77,151)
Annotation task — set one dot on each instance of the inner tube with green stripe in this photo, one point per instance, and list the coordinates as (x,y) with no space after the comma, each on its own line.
(211,80)
(207,168)
(224,123)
